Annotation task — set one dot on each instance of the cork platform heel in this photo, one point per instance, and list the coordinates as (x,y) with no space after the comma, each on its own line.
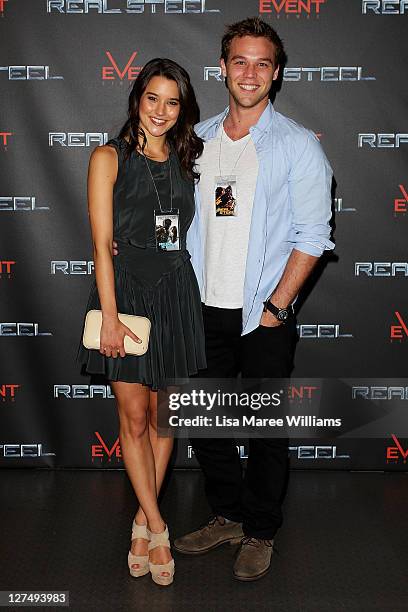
(138,531)
(161,539)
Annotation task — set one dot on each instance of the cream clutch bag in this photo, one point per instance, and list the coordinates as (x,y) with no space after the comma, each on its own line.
(139,326)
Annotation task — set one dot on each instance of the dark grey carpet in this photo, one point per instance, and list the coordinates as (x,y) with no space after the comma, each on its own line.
(343,546)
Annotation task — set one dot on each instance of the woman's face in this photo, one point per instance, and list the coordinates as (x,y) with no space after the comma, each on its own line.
(159,106)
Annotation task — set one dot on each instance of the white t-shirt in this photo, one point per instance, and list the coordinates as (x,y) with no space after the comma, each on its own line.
(226,237)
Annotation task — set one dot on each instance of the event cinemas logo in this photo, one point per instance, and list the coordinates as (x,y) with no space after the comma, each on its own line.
(83,392)
(302,392)
(6,269)
(2,6)
(291,7)
(20,203)
(135,7)
(382,141)
(397,452)
(4,138)
(112,72)
(324,74)
(329,331)
(21,329)
(376,392)
(72,267)
(400,204)
(20,451)
(384,7)
(8,392)
(399,332)
(339,208)
(77,139)
(381,268)
(29,73)
(103,451)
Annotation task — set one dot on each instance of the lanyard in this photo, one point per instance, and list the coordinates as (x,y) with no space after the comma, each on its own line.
(154,184)
(239,156)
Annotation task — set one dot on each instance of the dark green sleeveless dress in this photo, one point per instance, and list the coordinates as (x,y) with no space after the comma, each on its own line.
(159,285)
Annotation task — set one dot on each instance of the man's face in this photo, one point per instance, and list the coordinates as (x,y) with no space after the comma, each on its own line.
(250,69)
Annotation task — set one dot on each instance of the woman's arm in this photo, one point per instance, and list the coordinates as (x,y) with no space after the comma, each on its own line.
(103,169)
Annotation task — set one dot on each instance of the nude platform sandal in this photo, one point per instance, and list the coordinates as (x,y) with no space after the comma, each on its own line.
(138,531)
(161,539)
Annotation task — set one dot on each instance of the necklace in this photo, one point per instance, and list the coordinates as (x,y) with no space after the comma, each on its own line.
(240,154)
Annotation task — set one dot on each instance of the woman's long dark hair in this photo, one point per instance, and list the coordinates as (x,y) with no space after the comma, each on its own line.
(181,136)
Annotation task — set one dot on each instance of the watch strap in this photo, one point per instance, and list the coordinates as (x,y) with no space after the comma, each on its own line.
(278,312)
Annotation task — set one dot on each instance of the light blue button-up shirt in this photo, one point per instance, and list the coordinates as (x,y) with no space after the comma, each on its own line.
(291,209)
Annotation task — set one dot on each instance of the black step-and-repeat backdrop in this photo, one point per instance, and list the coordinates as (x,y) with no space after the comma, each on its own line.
(66,68)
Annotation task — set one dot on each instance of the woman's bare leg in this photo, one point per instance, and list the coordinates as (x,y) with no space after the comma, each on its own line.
(133,408)
(162,449)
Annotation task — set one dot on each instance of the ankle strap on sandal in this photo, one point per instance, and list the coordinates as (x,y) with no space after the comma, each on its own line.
(158,539)
(139,531)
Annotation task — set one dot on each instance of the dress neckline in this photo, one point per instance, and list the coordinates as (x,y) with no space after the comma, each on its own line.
(155,161)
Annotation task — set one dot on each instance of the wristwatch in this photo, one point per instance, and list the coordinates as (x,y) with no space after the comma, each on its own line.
(282,314)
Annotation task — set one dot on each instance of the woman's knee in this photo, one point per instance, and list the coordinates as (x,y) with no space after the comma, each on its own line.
(133,415)
(133,426)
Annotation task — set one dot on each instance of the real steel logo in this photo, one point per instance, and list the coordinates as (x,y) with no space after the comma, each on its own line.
(20,451)
(382,141)
(328,331)
(381,268)
(21,329)
(20,203)
(384,7)
(135,7)
(339,207)
(73,267)
(303,452)
(378,392)
(323,74)
(77,139)
(291,7)
(29,73)
(83,392)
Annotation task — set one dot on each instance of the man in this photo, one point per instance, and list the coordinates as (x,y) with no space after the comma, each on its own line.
(262,252)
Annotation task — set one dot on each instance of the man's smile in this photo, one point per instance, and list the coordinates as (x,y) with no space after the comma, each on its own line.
(248,86)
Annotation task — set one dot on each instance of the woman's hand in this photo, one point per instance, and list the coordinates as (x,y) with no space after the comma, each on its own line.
(113,334)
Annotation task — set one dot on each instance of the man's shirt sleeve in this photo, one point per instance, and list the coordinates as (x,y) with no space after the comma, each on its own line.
(310,180)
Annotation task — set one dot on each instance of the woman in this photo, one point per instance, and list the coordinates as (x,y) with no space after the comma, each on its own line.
(135,182)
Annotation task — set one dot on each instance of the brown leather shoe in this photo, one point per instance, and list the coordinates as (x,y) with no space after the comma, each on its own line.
(215,533)
(253,560)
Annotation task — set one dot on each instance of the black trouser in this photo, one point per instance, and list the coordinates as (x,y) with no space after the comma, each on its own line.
(266,352)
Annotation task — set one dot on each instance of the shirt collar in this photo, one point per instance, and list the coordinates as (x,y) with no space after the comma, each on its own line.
(262,126)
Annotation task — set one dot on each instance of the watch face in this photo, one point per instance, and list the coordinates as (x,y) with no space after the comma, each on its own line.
(282,315)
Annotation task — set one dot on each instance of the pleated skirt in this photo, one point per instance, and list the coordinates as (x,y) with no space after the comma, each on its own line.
(170,299)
